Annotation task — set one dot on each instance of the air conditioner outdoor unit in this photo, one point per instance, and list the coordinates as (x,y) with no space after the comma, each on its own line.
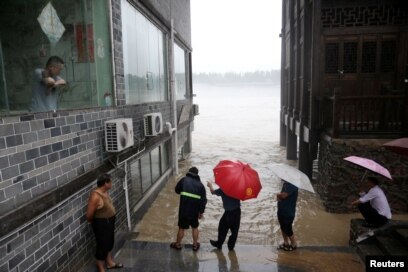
(153,124)
(118,134)
(195,110)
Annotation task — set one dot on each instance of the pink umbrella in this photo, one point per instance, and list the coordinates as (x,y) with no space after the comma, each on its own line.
(399,146)
(370,165)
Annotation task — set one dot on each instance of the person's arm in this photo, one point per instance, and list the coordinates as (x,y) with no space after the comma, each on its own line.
(364,198)
(287,190)
(203,202)
(51,83)
(209,185)
(94,203)
(355,202)
(281,196)
(60,82)
(47,79)
(179,186)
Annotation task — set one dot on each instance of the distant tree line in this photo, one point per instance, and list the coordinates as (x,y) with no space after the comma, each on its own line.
(271,77)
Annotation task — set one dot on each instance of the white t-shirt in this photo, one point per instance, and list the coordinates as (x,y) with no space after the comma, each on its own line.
(378,201)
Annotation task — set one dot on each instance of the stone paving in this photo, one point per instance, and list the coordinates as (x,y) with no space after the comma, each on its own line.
(153,256)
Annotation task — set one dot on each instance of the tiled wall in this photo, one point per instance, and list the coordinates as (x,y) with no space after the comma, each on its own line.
(60,237)
(47,153)
(43,158)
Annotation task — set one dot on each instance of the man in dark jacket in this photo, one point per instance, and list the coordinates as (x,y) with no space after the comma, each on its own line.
(192,205)
(287,199)
(230,220)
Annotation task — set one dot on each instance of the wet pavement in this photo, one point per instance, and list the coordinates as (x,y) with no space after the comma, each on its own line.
(154,256)
(225,130)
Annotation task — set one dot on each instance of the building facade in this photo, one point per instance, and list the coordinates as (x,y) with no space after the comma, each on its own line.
(122,59)
(344,92)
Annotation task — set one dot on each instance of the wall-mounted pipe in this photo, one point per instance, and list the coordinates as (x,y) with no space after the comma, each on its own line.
(174,99)
(170,128)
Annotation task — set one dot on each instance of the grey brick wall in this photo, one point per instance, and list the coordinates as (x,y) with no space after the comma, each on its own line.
(41,153)
(60,239)
(30,169)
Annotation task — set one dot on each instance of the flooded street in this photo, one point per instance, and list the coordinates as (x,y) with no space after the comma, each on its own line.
(242,122)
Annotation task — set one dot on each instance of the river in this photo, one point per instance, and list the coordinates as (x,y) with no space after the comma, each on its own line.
(242,122)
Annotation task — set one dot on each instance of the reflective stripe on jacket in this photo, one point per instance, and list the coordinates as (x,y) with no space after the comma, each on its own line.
(193,197)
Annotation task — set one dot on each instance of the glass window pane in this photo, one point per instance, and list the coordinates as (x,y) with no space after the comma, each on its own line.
(146,172)
(331,58)
(388,53)
(369,53)
(155,155)
(79,37)
(350,57)
(164,156)
(180,72)
(144,58)
(135,184)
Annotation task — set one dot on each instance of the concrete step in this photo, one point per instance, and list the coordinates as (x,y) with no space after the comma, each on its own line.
(402,234)
(364,250)
(392,246)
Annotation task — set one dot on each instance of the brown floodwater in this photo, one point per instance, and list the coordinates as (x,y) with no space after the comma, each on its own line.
(259,224)
(243,123)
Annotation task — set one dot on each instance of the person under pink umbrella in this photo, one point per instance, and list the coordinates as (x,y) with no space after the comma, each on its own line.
(373,205)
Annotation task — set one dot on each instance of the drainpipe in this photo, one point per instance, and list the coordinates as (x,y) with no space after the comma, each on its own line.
(126,188)
(114,102)
(173,131)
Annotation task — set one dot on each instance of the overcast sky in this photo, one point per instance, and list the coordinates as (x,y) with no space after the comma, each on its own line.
(235,35)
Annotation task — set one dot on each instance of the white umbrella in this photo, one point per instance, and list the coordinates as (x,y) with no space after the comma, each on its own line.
(293,176)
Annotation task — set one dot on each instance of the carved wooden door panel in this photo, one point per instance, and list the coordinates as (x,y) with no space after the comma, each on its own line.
(359,65)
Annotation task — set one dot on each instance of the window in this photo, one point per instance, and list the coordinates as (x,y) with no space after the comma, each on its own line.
(369,57)
(136,182)
(377,56)
(144,53)
(164,156)
(332,58)
(388,56)
(350,57)
(180,72)
(146,172)
(79,36)
(155,155)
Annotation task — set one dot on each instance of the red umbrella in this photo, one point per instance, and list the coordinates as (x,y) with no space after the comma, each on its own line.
(237,179)
(399,146)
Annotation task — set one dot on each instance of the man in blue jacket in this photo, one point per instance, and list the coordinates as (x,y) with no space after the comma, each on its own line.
(192,205)
(287,199)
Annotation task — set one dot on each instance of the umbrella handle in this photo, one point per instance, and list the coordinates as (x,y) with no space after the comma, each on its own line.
(365,173)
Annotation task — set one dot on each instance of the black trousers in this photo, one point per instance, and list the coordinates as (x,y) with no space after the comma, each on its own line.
(104,230)
(371,215)
(230,220)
